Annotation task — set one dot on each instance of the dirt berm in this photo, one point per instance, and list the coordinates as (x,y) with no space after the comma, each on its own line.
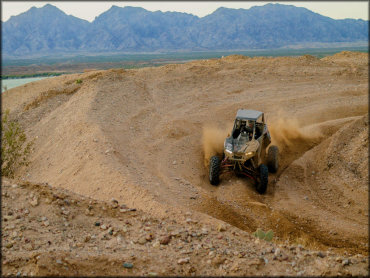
(144,137)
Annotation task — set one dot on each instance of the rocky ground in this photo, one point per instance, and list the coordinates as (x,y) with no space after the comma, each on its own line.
(48,231)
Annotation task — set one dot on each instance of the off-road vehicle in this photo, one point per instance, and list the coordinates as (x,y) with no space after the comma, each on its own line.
(245,151)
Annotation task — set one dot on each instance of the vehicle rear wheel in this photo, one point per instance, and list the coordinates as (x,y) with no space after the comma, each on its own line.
(273,159)
(262,181)
(214,170)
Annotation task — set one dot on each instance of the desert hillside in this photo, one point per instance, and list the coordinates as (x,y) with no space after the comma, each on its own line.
(143,137)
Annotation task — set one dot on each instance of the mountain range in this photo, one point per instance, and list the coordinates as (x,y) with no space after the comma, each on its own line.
(48,30)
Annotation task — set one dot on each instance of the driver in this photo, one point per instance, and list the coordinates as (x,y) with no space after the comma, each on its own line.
(250,130)
(243,127)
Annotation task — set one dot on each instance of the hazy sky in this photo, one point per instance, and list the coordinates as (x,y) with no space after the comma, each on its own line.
(89,10)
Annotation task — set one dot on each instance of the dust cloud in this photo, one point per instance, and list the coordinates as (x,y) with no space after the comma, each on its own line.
(213,142)
(287,131)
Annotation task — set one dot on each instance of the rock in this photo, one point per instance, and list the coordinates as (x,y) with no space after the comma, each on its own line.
(149,237)
(183,260)
(142,240)
(174,162)
(305,197)
(165,240)
(152,274)
(218,260)
(103,235)
(87,238)
(189,220)
(128,265)
(9,245)
(346,262)
(58,261)
(103,227)
(235,267)
(114,203)
(156,244)
(221,228)
(89,212)
(321,254)
(256,261)
(46,223)
(34,202)
(204,231)
(277,252)
(28,247)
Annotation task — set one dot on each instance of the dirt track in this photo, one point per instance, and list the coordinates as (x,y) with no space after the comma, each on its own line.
(136,135)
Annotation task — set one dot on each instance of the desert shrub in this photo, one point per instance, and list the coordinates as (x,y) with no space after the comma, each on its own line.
(14,149)
(78,81)
(261,234)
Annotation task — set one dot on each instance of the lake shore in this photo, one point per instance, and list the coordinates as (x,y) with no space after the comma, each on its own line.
(47,66)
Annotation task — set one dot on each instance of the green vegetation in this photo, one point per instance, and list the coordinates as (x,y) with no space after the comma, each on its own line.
(78,81)
(261,234)
(14,149)
(44,74)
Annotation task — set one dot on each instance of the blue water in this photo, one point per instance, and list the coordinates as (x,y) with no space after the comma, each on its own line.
(12,83)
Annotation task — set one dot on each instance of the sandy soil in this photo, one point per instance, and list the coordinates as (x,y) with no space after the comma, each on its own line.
(143,137)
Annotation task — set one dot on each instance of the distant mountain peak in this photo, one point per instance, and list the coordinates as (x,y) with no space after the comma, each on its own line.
(126,9)
(51,8)
(134,29)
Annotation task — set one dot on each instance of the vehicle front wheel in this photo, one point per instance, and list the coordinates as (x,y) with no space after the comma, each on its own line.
(262,180)
(214,170)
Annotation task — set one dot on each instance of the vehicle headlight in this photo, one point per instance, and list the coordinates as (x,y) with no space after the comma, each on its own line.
(228,148)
